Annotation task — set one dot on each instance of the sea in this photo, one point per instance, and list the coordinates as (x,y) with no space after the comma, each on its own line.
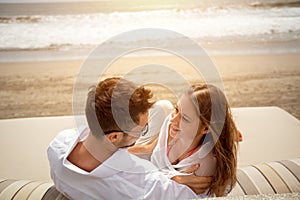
(73,28)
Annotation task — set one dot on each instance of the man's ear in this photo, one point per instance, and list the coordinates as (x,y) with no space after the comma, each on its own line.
(115,137)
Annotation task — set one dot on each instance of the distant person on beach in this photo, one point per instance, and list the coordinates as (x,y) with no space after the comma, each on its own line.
(93,162)
(194,134)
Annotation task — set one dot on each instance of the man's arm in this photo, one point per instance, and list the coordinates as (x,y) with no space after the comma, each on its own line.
(198,184)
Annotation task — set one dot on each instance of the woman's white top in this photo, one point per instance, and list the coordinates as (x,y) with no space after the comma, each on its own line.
(202,156)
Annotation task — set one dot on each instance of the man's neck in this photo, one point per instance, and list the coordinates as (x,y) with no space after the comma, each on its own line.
(100,148)
(91,153)
(82,158)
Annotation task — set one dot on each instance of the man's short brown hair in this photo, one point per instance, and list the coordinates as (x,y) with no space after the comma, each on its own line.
(114,97)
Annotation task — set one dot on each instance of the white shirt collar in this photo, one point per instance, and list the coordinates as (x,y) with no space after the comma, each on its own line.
(120,161)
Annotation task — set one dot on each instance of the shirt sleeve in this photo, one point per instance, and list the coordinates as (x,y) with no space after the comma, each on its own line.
(157,115)
(161,187)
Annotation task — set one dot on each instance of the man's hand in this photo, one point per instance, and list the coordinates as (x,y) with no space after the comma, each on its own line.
(198,184)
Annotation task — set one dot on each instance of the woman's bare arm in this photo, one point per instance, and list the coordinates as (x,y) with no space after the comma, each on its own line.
(143,149)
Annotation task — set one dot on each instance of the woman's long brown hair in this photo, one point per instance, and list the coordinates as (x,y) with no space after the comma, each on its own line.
(214,112)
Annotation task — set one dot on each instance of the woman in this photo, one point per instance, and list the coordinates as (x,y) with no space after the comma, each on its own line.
(200,131)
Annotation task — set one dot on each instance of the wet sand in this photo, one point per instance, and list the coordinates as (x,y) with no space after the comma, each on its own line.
(45,88)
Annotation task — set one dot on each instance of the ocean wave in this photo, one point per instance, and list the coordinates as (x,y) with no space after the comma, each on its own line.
(20,19)
(275,4)
(62,32)
(165,42)
(52,47)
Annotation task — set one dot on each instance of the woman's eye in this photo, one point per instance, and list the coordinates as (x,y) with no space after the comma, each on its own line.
(185,119)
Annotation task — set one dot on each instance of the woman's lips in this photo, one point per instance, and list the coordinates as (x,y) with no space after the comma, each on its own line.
(174,130)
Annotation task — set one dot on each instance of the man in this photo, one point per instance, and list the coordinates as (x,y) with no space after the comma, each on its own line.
(93,163)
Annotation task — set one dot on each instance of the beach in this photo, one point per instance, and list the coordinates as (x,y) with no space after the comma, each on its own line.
(45,88)
(255,46)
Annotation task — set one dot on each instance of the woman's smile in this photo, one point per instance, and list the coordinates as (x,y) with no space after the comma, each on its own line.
(174,130)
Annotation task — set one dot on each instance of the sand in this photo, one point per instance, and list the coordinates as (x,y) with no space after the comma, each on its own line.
(45,88)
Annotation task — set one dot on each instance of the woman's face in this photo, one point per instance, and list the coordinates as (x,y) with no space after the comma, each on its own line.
(185,123)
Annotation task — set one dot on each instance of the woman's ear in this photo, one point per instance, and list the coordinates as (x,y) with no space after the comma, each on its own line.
(205,130)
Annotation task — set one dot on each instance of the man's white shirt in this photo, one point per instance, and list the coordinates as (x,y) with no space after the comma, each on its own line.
(122,176)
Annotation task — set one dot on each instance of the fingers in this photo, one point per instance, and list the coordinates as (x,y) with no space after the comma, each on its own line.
(239,136)
(192,169)
(203,183)
(198,184)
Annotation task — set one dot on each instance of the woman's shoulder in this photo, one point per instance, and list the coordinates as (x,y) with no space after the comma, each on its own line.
(207,165)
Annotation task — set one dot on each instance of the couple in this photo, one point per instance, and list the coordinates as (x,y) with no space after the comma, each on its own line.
(93,163)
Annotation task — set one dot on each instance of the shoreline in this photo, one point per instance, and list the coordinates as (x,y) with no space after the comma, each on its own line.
(45,88)
(214,47)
